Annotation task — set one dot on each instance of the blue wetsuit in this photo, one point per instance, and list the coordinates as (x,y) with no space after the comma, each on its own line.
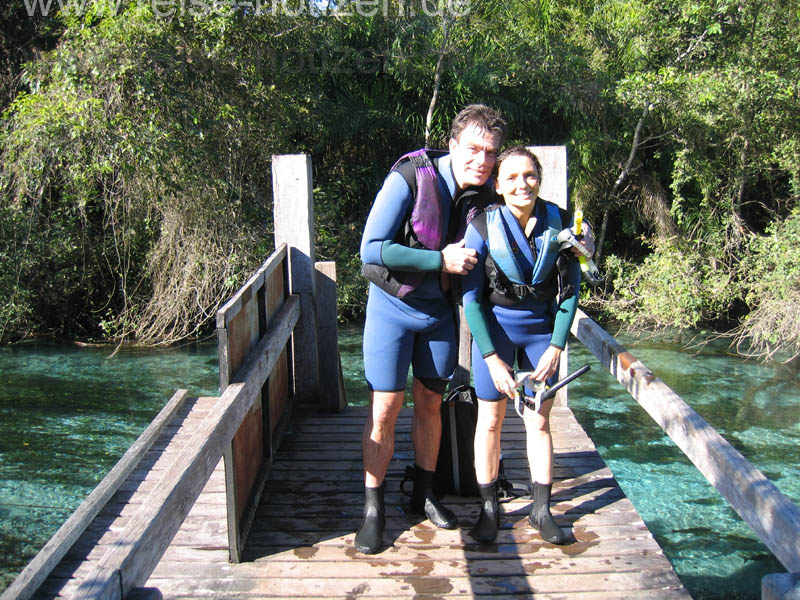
(419,329)
(525,330)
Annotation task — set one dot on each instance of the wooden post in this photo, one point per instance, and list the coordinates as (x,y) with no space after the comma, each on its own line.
(461,374)
(293,211)
(554,188)
(780,586)
(330,396)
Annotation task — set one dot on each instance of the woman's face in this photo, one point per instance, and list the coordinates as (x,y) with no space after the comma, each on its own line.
(518,182)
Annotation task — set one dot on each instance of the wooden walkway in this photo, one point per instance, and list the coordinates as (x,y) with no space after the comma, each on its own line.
(301,544)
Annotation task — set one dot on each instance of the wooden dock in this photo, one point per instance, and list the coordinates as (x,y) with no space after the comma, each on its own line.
(301,542)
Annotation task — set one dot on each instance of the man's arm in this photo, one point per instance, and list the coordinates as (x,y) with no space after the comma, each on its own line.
(388,214)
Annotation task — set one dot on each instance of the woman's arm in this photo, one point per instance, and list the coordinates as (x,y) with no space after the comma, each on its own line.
(565,312)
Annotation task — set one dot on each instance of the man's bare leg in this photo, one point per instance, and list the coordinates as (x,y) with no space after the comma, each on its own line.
(377,440)
(426,426)
(426,434)
(377,445)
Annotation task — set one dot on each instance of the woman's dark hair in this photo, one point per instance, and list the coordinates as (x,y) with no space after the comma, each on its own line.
(518,151)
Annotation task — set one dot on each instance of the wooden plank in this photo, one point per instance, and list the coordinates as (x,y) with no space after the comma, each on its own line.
(331,398)
(419,585)
(278,393)
(232,307)
(38,569)
(365,569)
(770,514)
(663,594)
(143,541)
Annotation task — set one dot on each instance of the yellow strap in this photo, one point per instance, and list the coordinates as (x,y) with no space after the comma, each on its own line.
(578,229)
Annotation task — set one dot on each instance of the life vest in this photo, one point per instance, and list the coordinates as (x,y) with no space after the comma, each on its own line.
(424,227)
(507,285)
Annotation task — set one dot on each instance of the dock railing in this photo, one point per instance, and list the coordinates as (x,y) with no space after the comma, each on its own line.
(773,517)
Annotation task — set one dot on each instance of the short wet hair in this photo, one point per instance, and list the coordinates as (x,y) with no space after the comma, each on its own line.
(483,117)
(518,151)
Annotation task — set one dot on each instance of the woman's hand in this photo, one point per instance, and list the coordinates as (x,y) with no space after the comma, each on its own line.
(548,363)
(502,375)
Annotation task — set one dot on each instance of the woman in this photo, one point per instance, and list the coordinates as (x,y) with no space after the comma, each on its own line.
(519,300)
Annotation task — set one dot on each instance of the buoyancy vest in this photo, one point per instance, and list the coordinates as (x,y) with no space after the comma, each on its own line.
(424,226)
(507,285)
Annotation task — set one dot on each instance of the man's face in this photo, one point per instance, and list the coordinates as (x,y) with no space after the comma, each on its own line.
(473,155)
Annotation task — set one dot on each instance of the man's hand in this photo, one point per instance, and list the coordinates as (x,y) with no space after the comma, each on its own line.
(457,259)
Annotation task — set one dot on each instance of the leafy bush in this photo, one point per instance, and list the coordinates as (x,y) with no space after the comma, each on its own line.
(674,287)
(770,277)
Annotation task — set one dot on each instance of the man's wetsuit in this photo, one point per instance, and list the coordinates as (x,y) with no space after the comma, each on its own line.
(420,328)
(525,329)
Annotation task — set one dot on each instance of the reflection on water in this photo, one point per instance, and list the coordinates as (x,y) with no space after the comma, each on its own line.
(69,413)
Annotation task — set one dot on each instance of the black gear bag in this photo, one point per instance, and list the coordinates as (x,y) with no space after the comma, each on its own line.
(455,467)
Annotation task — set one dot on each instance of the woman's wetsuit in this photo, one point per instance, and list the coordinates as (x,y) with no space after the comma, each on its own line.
(525,330)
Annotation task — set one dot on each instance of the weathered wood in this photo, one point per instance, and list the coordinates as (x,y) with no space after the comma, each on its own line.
(57,546)
(293,210)
(232,307)
(418,584)
(331,396)
(302,540)
(553,186)
(770,514)
(141,544)
(241,323)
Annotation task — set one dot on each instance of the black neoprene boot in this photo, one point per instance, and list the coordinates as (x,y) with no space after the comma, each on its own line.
(485,530)
(540,517)
(370,535)
(424,501)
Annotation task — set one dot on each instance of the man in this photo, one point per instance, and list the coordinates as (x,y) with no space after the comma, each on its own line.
(407,248)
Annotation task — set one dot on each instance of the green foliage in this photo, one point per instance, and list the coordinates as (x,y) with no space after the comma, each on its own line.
(674,287)
(771,284)
(135,157)
(138,162)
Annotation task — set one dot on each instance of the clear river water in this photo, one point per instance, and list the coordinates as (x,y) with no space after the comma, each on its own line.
(68,413)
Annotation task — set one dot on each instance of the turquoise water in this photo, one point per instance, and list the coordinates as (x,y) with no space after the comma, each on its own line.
(755,407)
(69,413)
